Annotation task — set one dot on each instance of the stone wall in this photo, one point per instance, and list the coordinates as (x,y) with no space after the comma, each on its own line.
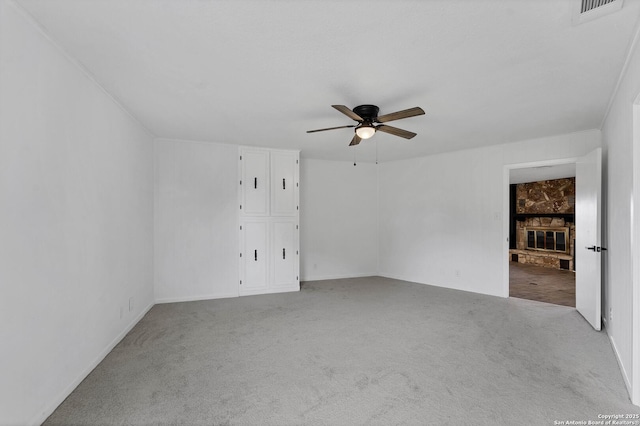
(544,197)
(548,196)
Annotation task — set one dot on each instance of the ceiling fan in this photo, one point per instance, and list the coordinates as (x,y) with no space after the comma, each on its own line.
(367,115)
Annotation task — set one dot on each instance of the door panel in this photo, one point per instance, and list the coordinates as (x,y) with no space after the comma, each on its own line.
(588,237)
(285,256)
(283,184)
(254,256)
(255,184)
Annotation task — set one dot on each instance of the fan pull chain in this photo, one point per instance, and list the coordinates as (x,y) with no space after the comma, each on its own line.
(376,151)
(354,158)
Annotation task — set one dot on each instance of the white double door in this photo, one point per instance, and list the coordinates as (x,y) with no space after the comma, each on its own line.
(270,255)
(269,243)
(269,183)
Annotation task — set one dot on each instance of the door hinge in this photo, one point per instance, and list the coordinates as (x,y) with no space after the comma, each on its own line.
(297,252)
(296,161)
(241,158)
(240,282)
(297,278)
(240,206)
(240,254)
(297,208)
(240,182)
(296,226)
(241,227)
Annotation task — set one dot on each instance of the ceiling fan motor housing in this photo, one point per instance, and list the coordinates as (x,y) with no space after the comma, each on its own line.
(367,112)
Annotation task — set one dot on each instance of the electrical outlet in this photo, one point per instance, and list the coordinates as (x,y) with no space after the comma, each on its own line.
(131,304)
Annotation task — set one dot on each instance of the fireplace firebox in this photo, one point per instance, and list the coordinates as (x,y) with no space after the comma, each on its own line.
(547,239)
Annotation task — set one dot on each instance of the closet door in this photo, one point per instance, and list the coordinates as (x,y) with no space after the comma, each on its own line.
(255,256)
(255,183)
(284,252)
(284,181)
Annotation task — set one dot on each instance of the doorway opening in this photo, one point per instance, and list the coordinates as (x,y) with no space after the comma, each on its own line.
(542,234)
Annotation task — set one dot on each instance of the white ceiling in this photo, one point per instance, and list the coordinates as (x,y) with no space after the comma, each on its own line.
(260,72)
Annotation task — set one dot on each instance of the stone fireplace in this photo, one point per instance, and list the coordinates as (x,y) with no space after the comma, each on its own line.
(543,224)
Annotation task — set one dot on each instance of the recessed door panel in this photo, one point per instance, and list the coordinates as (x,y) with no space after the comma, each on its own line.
(255,184)
(255,256)
(283,183)
(284,250)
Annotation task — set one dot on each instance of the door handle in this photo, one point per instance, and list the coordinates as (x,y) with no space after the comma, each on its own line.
(283,184)
(255,183)
(255,255)
(283,254)
(597,249)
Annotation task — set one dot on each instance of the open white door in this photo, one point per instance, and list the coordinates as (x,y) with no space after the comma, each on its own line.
(588,251)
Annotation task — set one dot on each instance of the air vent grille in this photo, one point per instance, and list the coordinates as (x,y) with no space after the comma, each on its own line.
(588,5)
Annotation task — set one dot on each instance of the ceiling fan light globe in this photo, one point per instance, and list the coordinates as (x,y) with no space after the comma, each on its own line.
(365,132)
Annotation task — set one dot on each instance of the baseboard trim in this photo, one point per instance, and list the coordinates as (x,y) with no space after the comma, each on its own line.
(625,376)
(51,407)
(408,279)
(465,289)
(195,298)
(271,291)
(337,277)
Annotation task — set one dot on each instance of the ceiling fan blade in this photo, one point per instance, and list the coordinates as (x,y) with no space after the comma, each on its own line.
(411,112)
(395,131)
(330,128)
(355,141)
(346,111)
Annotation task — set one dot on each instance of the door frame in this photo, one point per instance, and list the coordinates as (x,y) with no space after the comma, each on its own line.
(505,209)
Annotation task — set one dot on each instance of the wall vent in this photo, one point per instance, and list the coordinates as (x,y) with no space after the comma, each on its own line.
(588,10)
(588,5)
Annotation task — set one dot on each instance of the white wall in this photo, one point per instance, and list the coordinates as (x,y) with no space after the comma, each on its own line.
(76,235)
(441,217)
(339,220)
(617,135)
(196,220)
